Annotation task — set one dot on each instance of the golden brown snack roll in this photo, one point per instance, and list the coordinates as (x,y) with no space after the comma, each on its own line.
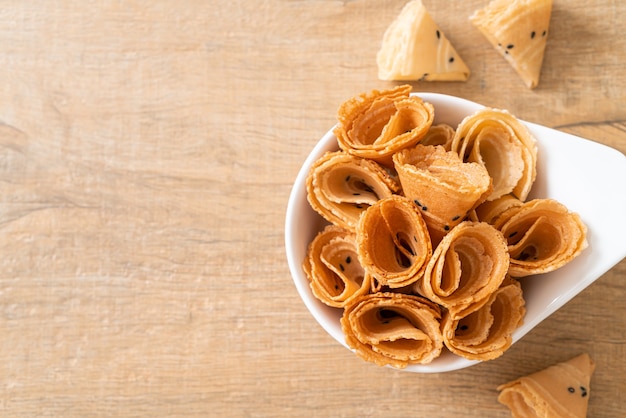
(441,185)
(393,329)
(332,266)
(543,235)
(497,140)
(496,212)
(486,334)
(468,265)
(393,242)
(340,187)
(377,124)
(441,134)
(561,390)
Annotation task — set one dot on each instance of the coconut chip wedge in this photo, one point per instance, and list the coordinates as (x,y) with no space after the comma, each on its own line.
(561,390)
(414,48)
(517,29)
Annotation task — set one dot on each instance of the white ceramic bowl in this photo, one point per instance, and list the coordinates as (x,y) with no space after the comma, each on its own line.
(585,176)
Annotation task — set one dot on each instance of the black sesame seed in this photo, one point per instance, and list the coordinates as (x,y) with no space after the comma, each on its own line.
(336,287)
(584,391)
(446,227)
(463,327)
(417,202)
(438,35)
(571,389)
(509,46)
(532,35)
(506,52)
(456,217)
(512,234)
(348,178)
(544,33)
(358,206)
(341,267)
(356,194)
(414,238)
(348,260)
(424,208)
(451,59)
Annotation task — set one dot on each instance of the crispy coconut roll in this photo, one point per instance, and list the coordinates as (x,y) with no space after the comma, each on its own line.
(441,134)
(486,334)
(496,212)
(393,329)
(393,242)
(441,185)
(332,266)
(561,390)
(503,145)
(542,236)
(467,266)
(341,186)
(377,124)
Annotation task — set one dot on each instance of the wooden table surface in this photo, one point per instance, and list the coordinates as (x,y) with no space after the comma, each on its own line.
(147,152)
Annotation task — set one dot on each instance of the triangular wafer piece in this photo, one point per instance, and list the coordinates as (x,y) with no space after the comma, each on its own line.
(561,390)
(518,29)
(414,48)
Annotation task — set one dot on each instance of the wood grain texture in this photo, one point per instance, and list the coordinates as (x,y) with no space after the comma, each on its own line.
(147,151)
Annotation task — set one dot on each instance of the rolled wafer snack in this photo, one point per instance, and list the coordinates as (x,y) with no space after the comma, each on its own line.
(377,124)
(561,390)
(485,334)
(341,186)
(468,265)
(393,329)
(440,134)
(497,140)
(393,242)
(542,236)
(332,266)
(496,212)
(441,185)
